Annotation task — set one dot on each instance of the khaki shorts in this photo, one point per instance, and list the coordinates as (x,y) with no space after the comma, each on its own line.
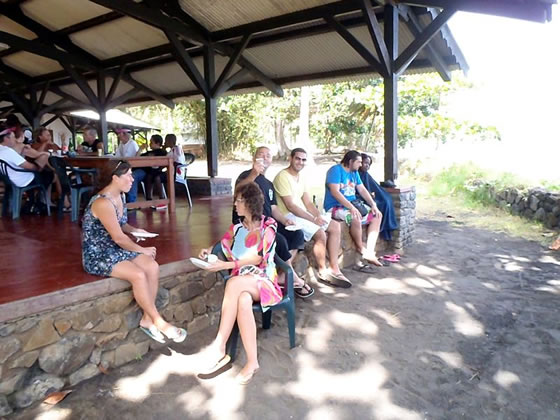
(308,228)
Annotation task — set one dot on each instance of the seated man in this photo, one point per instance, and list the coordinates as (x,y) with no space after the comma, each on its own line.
(341,186)
(288,242)
(296,205)
(150,176)
(382,198)
(13,158)
(91,144)
(127,147)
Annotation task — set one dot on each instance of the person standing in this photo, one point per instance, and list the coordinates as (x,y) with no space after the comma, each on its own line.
(295,204)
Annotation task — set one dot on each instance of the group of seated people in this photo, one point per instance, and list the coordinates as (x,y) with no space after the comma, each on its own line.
(262,228)
(30,152)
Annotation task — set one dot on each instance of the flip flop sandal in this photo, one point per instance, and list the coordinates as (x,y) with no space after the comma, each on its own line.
(336,280)
(305,291)
(153,333)
(220,367)
(365,268)
(179,336)
(391,258)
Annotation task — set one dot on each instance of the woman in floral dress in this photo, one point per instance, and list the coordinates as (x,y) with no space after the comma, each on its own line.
(107,250)
(249,247)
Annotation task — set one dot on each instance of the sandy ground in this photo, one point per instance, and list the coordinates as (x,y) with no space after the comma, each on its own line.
(467,325)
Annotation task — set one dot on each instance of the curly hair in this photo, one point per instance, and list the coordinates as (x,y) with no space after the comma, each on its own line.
(253,197)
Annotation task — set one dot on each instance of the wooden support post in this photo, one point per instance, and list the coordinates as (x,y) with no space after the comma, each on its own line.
(211,114)
(391,99)
(103,128)
(73,130)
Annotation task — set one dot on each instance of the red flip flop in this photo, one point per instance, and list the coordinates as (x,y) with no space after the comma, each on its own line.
(392,258)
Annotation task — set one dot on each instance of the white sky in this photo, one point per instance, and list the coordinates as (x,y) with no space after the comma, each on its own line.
(517,65)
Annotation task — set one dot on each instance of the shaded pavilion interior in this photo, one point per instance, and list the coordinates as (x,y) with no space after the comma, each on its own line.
(61,55)
(58,56)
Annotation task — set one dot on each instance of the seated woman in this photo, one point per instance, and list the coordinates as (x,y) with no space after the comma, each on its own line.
(249,247)
(43,140)
(382,199)
(108,251)
(341,186)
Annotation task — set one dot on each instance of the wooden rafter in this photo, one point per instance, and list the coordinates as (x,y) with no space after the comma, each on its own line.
(414,25)
(231,63)
(376,35)
(43,33)
(187,64)
(357,45)
(39,47)
(410,53)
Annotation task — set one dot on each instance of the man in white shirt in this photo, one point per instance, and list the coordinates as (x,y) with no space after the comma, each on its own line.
(14,159)
(127,147)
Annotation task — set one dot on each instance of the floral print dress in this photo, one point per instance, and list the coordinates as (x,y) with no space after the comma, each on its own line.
(239,243)
(99,252)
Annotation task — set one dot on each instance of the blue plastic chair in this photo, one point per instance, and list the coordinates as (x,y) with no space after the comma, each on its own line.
(287,304)
(13,194)
(71,184)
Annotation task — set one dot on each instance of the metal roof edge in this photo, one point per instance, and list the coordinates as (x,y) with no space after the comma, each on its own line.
(452,44)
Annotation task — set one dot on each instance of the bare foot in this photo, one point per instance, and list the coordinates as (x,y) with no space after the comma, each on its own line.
(555,245)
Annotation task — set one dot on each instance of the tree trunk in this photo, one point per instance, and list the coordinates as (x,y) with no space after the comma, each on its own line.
(303,137)
(283,149)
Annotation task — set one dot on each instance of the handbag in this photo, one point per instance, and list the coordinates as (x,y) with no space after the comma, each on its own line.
(361,206)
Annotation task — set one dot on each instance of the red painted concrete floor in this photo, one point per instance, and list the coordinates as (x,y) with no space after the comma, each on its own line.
(41,254)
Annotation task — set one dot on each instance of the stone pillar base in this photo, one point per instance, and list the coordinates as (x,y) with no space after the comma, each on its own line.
(207,186)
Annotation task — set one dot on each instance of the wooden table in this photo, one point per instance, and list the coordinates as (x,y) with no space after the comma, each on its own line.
(101,163)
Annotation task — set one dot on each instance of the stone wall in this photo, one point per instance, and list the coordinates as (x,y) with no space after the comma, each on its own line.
(43,353)
(534,204)
(404,201)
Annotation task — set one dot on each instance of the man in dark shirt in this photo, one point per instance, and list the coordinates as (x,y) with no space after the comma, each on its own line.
(91,143)
(288,242)
(149,176)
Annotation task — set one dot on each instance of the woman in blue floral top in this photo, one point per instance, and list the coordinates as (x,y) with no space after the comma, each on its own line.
(108,251)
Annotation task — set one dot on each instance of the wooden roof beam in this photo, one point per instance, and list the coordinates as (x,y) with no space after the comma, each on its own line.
(43,33)
(233,60)
(410,53)
(187,64)
(154,95)
(376,35)
(44,50)
(416,28)
(357,45)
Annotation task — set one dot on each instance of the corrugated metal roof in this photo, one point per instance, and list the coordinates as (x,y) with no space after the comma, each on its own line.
(315,57)
(14,28)
(221,14)
(31,64)
(58,14)
(118,37)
